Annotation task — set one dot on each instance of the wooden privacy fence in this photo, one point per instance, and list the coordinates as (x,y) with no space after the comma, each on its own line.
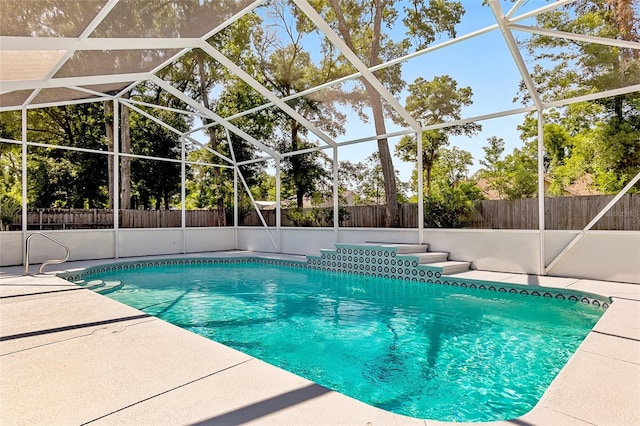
(48,219)
(354,216)
(561,213)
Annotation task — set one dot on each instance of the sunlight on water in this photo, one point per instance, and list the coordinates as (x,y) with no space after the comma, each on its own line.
(421,350)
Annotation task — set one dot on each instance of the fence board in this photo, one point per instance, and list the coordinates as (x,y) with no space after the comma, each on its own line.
(561,213)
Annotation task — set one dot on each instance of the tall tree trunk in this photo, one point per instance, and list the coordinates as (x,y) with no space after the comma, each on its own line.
(428,158)
(213,140)
(108,129)
(295,165)
(166,200)
(125,162)
(392,218)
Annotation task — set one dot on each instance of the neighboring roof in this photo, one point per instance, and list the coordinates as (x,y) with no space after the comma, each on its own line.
(581,186)
(266,205)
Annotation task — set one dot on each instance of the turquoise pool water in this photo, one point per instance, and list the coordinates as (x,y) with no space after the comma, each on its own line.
(421,350)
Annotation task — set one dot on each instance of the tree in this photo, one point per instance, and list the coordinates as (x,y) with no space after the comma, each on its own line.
(10,157)
(494,167)
(124,148)
(450,204)
(206,186)
(361,25)
(287,68)
(432,102)
(367,180)
(610,127)
(512,176)
(155,183)
(198,75)
(64,178)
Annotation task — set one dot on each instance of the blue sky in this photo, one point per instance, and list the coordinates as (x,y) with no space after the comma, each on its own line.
(484,63)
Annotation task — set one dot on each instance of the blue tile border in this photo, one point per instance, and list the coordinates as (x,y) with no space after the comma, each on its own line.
(122,266)
(370,262)
(384,262)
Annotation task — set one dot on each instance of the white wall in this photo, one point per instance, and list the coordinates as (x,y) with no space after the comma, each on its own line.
(488,249)
(599,255)
(10,248)
(307,240)
(82,244)
(140,242)
(358,235)
(153,241)
(209,239)
(257,239)
(99,244)
(294,240)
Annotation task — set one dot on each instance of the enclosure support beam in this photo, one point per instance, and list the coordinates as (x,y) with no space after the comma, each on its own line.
(625,44)
(244,76)
(336,204)
(541,243)
(279,203)
(255,206)
(236,171)
(420,189)
(503,24)
(595,220)
(235,207)
(183,193)
(24,184)
(356,62)
(116,178)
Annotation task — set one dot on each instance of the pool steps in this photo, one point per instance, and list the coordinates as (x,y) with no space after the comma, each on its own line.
(343,258)
(100,286)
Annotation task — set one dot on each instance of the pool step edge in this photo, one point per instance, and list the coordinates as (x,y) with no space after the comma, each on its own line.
(433,261)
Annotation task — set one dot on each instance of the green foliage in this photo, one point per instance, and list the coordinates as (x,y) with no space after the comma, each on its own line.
(65,178)
(206,186)
(515,175)
(299,217)
(451,200)
(598,140)
(316,216)
(10,125)
(287,68)
(10,170)
(9,209)
(432,102)
(450,210)
(367,181)
(363,26)
(156,184)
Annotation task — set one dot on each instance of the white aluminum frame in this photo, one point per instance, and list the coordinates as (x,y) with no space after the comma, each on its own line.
(505,23)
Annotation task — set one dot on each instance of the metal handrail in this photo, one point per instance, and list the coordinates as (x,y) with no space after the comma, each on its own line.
(46,262)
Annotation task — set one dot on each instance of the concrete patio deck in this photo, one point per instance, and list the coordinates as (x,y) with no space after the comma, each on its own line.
(71,356)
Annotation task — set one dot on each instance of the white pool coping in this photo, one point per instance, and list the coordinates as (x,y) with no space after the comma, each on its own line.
(71,356)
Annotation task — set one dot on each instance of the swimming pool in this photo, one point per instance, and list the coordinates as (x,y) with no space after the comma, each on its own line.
(430,351)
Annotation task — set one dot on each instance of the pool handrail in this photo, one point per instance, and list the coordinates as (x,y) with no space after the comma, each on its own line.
(46,262)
